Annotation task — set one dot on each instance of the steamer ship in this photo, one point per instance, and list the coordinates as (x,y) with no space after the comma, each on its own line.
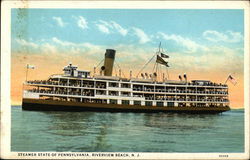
(78,90)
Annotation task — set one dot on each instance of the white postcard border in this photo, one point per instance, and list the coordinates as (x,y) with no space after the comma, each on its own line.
(6,67)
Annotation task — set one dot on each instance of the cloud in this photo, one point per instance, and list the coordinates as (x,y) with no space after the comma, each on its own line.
(62,47)
(105,23)
(228,36)
(26,43)
(59,21)
(82,22)
(71,44)
(48,48)
(63,43)
(111,27)
(58,47)
(221,58)
(103,28)
(119,28)
(218,59)
(191,45)
(143,37)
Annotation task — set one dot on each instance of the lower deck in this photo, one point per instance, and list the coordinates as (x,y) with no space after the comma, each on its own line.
(54,105)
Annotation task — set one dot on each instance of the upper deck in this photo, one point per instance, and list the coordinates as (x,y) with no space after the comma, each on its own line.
(77,81)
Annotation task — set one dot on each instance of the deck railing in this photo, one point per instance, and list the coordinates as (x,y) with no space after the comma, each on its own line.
(146,98)
(180,91)
(171,91)
(186,84)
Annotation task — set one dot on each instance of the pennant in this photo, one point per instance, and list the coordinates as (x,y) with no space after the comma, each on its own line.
(161,61)
(232,80)
(30,66)
(164,55)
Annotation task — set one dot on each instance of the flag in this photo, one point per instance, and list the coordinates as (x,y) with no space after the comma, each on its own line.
(161,61)
(164,55)
(232,80)
(30,66)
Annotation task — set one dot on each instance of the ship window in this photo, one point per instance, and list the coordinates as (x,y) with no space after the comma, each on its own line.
(125,85)
(125,93)
(126,102)
(113,93)
(159,103)
(137,102)
(170,104)
(113,84)
(113,101)
(148,103)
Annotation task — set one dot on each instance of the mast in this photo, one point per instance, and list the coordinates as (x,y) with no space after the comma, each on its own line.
(159,59)
(161,56)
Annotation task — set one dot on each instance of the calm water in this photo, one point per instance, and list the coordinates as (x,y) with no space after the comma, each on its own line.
(126,132)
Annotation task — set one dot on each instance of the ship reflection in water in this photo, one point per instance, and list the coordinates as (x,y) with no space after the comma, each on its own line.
(127,132)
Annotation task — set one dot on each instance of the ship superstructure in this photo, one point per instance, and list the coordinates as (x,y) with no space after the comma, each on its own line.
(77,90)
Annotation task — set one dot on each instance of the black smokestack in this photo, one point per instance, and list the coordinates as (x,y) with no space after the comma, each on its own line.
(109,62)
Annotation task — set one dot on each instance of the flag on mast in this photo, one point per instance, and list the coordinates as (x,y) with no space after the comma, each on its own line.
(161,61)
(164,55)
(30,66)
(232,80)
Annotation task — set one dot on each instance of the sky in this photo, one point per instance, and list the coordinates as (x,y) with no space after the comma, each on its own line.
(205,44)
